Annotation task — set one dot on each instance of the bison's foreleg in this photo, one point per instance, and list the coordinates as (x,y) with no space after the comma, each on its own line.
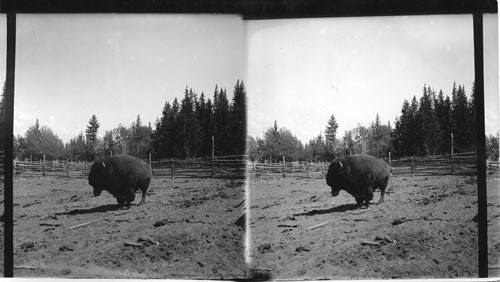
(359,202)
(121,202)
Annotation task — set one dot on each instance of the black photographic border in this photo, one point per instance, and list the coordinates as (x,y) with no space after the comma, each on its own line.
(253,10)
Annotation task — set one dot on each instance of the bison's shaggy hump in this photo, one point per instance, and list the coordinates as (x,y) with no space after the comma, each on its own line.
(359,175)
(121,176)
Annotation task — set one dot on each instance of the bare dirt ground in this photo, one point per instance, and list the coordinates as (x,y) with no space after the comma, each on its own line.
(493,185)
(425,229)
(185,230)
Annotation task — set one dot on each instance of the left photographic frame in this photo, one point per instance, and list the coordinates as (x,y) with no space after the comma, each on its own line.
(166,89)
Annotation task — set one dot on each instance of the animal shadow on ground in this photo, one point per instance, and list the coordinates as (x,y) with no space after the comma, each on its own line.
(104,208)
(341,208)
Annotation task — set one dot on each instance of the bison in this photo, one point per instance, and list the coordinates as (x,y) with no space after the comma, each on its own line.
(359,175)
(121,176)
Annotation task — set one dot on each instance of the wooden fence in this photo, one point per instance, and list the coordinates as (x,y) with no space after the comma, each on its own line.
(51,168)
(237,166)
(219,167)
(294,169)
(458,164)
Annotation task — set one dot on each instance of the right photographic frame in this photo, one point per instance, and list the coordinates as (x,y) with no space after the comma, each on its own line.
(362,147)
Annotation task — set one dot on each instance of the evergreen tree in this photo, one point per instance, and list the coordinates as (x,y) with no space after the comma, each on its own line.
(141,138)
(238,119)
(208,127)
(376,137)
(427,125)
(92,129)
(400,136)
(330,136)
(203,120)
(221,119)
(91,134)
(176,130)
(459,115)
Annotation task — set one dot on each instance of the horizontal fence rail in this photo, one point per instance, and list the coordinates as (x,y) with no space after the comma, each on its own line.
(218,167)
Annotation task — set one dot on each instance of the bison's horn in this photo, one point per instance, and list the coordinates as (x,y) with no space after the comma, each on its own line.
(103,164)
(341,165)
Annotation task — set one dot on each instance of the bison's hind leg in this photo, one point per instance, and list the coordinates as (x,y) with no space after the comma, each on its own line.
(143,198)
(382,190)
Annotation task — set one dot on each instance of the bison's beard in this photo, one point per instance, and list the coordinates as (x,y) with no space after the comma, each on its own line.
(97,192)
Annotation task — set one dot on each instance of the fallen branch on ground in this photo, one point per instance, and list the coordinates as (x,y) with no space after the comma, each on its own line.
(317,225)
(241,203)
(133,244)
(80,225)
(25,267)
(356,212)
(370,243)
(118,212)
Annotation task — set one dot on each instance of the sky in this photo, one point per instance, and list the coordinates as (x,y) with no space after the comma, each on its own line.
(69,67)
(298,71)
(302,71)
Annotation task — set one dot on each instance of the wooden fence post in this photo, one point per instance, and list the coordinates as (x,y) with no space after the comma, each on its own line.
(212,167)
(284,166)
(172,168)
(307,169)
(67,169)
(451,163)
(43,169)
(412,166)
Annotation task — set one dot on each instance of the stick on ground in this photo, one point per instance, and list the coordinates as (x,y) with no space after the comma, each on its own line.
(317,225)
(133,244)
(79,225)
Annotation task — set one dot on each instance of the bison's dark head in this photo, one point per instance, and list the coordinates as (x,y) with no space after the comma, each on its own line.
(97,177)
(336,176)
